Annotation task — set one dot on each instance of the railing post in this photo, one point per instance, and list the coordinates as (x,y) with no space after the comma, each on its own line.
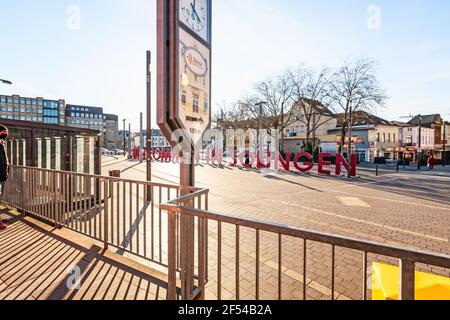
(407,279)
(172,256)
(106,214)
(202,223)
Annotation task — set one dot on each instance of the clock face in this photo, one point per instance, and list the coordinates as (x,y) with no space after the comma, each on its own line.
(194,14)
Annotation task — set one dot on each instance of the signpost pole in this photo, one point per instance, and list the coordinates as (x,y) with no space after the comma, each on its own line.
(141,141)
(149,121)
(184,100)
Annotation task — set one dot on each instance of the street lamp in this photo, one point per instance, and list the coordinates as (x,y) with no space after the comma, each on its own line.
(260,112)
(6,82)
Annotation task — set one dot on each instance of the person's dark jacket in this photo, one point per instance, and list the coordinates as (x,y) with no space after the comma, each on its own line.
(4,164)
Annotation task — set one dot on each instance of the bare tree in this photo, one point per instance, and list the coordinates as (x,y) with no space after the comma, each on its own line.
(355,88)
(311,92)
(277,96)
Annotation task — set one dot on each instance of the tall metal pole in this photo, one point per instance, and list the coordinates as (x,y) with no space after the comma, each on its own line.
(222,129)
(129,141)
(149,118)
(419,152)
(141,141)
(350,142)
(124,138)
(444,145)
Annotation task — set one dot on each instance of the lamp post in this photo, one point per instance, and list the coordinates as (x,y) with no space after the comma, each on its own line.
(5,82)
(124,137)
(419,150)
(444,144)
(260,125)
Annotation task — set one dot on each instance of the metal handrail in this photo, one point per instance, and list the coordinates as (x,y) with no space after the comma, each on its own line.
(408,257)
(115,179)
(419,256)
(124,219)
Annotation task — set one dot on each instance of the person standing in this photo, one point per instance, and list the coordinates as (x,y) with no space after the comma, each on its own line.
(431,162)
(4,166)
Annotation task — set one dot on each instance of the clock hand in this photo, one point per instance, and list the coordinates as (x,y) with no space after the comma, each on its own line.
(195,12)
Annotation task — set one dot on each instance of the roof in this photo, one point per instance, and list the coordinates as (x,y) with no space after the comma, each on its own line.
(315,104)
(426,120)
(362,118)
(37,125)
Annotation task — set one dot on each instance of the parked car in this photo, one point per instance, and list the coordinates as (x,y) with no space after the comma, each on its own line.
(106,152)
(119,152)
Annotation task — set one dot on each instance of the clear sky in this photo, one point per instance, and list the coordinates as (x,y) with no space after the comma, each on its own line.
(100,61)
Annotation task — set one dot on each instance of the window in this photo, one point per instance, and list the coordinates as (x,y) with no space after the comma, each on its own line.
(206,106)
(33,102)
(195,102)
(22,110)
(10,100)
(3,99)
(28,102)
(10,109)
(28,110)
(22,101)
(16,109)
(184,97)
(16,101)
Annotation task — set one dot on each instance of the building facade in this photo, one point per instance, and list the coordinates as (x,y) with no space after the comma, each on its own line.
(56,112)
(38,109)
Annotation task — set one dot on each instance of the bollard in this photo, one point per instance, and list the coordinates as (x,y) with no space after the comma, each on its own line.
(376,170)
(398,166)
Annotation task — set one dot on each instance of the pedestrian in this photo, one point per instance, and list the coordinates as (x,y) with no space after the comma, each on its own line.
(4,167)
(431,162)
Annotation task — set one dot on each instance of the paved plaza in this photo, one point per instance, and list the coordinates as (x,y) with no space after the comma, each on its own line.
(37,263)
(409,208)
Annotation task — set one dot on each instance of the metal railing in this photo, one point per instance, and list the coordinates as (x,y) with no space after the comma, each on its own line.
(175,229)
(408,258)
(121,213)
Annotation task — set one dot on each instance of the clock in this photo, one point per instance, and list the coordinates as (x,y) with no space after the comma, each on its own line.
(194,14)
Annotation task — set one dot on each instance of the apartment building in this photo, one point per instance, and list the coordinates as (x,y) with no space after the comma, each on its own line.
(37,109)
(56,112)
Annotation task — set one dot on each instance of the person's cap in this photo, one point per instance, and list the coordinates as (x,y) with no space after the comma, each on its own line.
(3,130)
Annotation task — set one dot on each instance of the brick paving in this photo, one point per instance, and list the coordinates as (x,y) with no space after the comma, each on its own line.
(409,209)
(36,262)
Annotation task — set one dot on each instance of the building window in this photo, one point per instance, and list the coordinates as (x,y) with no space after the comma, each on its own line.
(195,103)
(184,97)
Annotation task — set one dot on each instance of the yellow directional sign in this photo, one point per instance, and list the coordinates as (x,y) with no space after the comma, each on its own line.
(386,284)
